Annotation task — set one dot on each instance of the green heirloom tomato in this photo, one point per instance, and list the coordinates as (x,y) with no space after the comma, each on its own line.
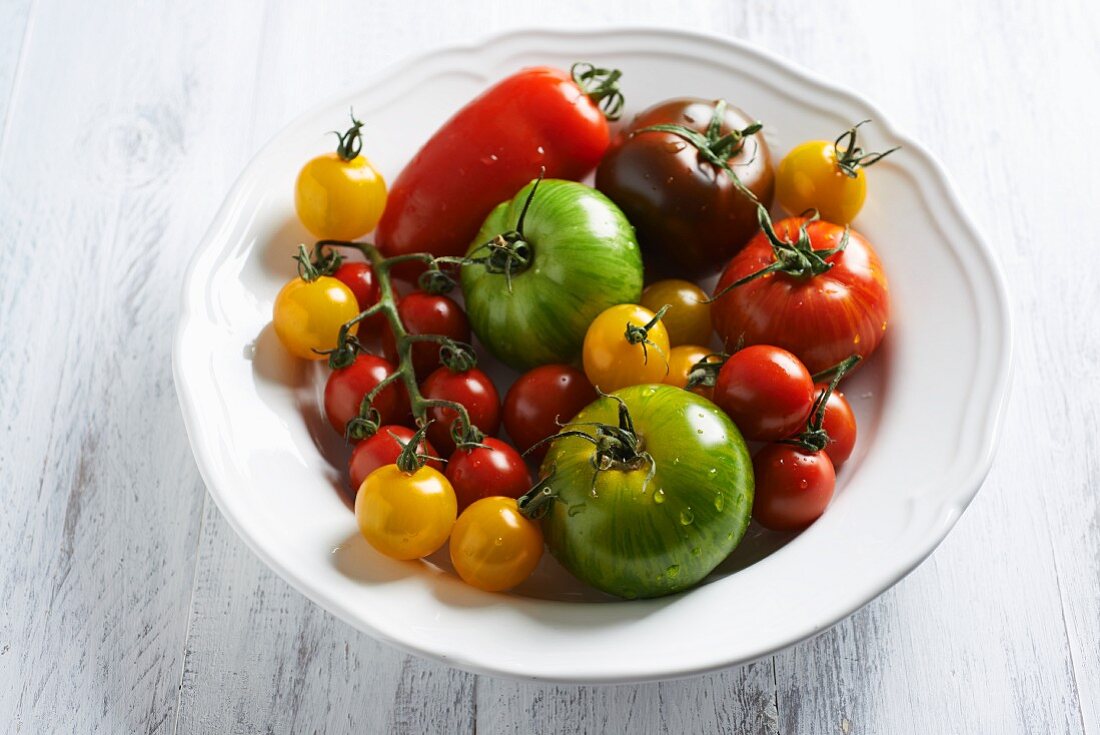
(645,492)
(546,263)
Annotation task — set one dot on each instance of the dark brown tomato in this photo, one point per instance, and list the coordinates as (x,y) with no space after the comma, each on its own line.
(689,215)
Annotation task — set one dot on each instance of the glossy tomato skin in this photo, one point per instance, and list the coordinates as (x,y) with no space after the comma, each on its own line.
(533,120)
(584,259)
(308,315)
(495,468)
(793,486)
(406,516)
(689,215)
(359,277)
(493,546)
(540,399)
(809,178)
(822,319)
(767,392)
(840,425)
(383,449)
(688,316)
(636,538)
(425,313)
(471,388)
(612,362)
(337,199)
(346,388)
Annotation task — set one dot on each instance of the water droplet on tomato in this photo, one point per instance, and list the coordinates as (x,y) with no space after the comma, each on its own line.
(576,508)
(687,517)
(659,496)
(541,150)
(803,483)
(696,551)
(855,340)
(675,146)
(719,503)
(498,541)
(673,571)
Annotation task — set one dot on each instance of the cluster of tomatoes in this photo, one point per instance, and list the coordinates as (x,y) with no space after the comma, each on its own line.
(551,277)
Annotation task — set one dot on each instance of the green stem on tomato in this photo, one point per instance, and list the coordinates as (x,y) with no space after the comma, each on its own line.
(387,305)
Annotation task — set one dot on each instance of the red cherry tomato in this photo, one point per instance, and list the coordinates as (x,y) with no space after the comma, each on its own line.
(471,388)
(766,391)
(539,399)
(793,486)
(382,449)
(538,119)
(822,319)
(482,472)
(425,313)
(840,424)
(359,277)
(346,388)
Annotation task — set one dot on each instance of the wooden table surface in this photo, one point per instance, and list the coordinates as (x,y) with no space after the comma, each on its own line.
(130,606)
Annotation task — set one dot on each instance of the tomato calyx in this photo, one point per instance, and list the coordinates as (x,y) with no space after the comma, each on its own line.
(713,147)
(458,357)
(814,438)
(704,374)
(321,263)
(797,259)
(509,253)
(351,140)
(411,458)
(618,448)
(639,335)
(436,281)
(850,157)
(601,86)
(535,503)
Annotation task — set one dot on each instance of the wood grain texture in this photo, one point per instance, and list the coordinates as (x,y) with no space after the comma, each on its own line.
(132,606)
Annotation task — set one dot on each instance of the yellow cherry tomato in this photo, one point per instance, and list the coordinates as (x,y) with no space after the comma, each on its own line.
(406,516)
(340,196)
(493,546)
(625,345)
(338,199)
(826,176)
(308,315)
(681,360)
(809,178)
(688,317)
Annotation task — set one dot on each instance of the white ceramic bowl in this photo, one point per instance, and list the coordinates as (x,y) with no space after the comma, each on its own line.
(929,403)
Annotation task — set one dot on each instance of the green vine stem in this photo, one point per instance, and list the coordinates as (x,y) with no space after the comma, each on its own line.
(387,305)
(797,259)
(351,140)
(814,438)
(636,335)
(850,157)
(601,86)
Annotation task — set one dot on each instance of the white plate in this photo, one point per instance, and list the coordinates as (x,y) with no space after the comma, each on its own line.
(929,403)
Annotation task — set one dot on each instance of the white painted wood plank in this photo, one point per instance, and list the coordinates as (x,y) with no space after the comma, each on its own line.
(14,30)
(113,163)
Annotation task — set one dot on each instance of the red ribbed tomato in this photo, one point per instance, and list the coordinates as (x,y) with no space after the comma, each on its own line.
(823,306)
